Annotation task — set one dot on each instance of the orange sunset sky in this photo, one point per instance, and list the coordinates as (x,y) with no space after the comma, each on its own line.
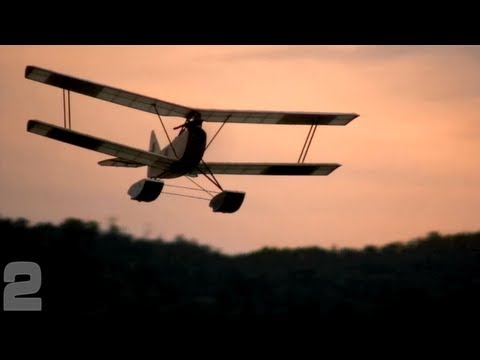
(410,161)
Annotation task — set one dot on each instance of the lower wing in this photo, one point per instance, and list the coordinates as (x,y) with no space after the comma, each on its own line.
(267,168)
(125,155)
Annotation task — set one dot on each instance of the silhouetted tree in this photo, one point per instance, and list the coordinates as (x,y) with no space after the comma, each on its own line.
(92,271)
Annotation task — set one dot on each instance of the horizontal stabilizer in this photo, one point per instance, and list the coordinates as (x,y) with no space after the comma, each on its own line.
(120,163)
(270,168)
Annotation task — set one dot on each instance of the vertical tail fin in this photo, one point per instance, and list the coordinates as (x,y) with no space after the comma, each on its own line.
(155,148)
(154,145)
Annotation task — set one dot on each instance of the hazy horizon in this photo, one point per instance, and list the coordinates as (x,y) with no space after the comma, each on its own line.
(409,161)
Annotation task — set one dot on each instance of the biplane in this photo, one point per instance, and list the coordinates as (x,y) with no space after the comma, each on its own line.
(183,156)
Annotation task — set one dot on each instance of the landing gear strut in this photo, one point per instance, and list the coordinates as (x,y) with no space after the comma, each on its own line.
(223,202)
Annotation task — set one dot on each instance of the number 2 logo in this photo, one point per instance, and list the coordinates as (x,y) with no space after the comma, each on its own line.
(12,291)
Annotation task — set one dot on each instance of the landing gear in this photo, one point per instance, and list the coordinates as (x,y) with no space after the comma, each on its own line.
(227,201)
(223,202)
(146,190)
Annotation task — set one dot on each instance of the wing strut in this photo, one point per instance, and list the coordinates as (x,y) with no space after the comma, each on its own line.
(308,142)
(67,116)
(213,179)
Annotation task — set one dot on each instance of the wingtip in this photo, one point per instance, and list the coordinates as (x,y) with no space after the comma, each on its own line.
(334,168)
(352,117)
(28,70)
(30,124)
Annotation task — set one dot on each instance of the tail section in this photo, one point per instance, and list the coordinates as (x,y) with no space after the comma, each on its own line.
(155,148)
(154,145)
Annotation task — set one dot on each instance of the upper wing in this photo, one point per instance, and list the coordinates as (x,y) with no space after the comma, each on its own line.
(105,92)
(165,108)
(277,117)
(124,152)
(268,168)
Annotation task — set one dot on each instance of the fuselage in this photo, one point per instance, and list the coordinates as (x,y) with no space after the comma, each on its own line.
(187,150)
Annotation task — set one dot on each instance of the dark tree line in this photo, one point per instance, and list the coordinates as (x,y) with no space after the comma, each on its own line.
(92,271)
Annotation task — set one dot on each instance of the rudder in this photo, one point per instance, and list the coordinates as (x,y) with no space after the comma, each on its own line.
(154,145)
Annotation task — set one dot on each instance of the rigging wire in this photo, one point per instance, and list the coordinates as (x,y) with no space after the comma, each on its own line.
(189,196)
(214,136)
(164,129)
(202,188)
(191,188)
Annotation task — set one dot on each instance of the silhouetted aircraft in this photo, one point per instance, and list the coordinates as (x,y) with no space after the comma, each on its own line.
(183,156)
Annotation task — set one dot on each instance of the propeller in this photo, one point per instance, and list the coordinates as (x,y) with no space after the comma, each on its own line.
(181,126)
(191,116)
